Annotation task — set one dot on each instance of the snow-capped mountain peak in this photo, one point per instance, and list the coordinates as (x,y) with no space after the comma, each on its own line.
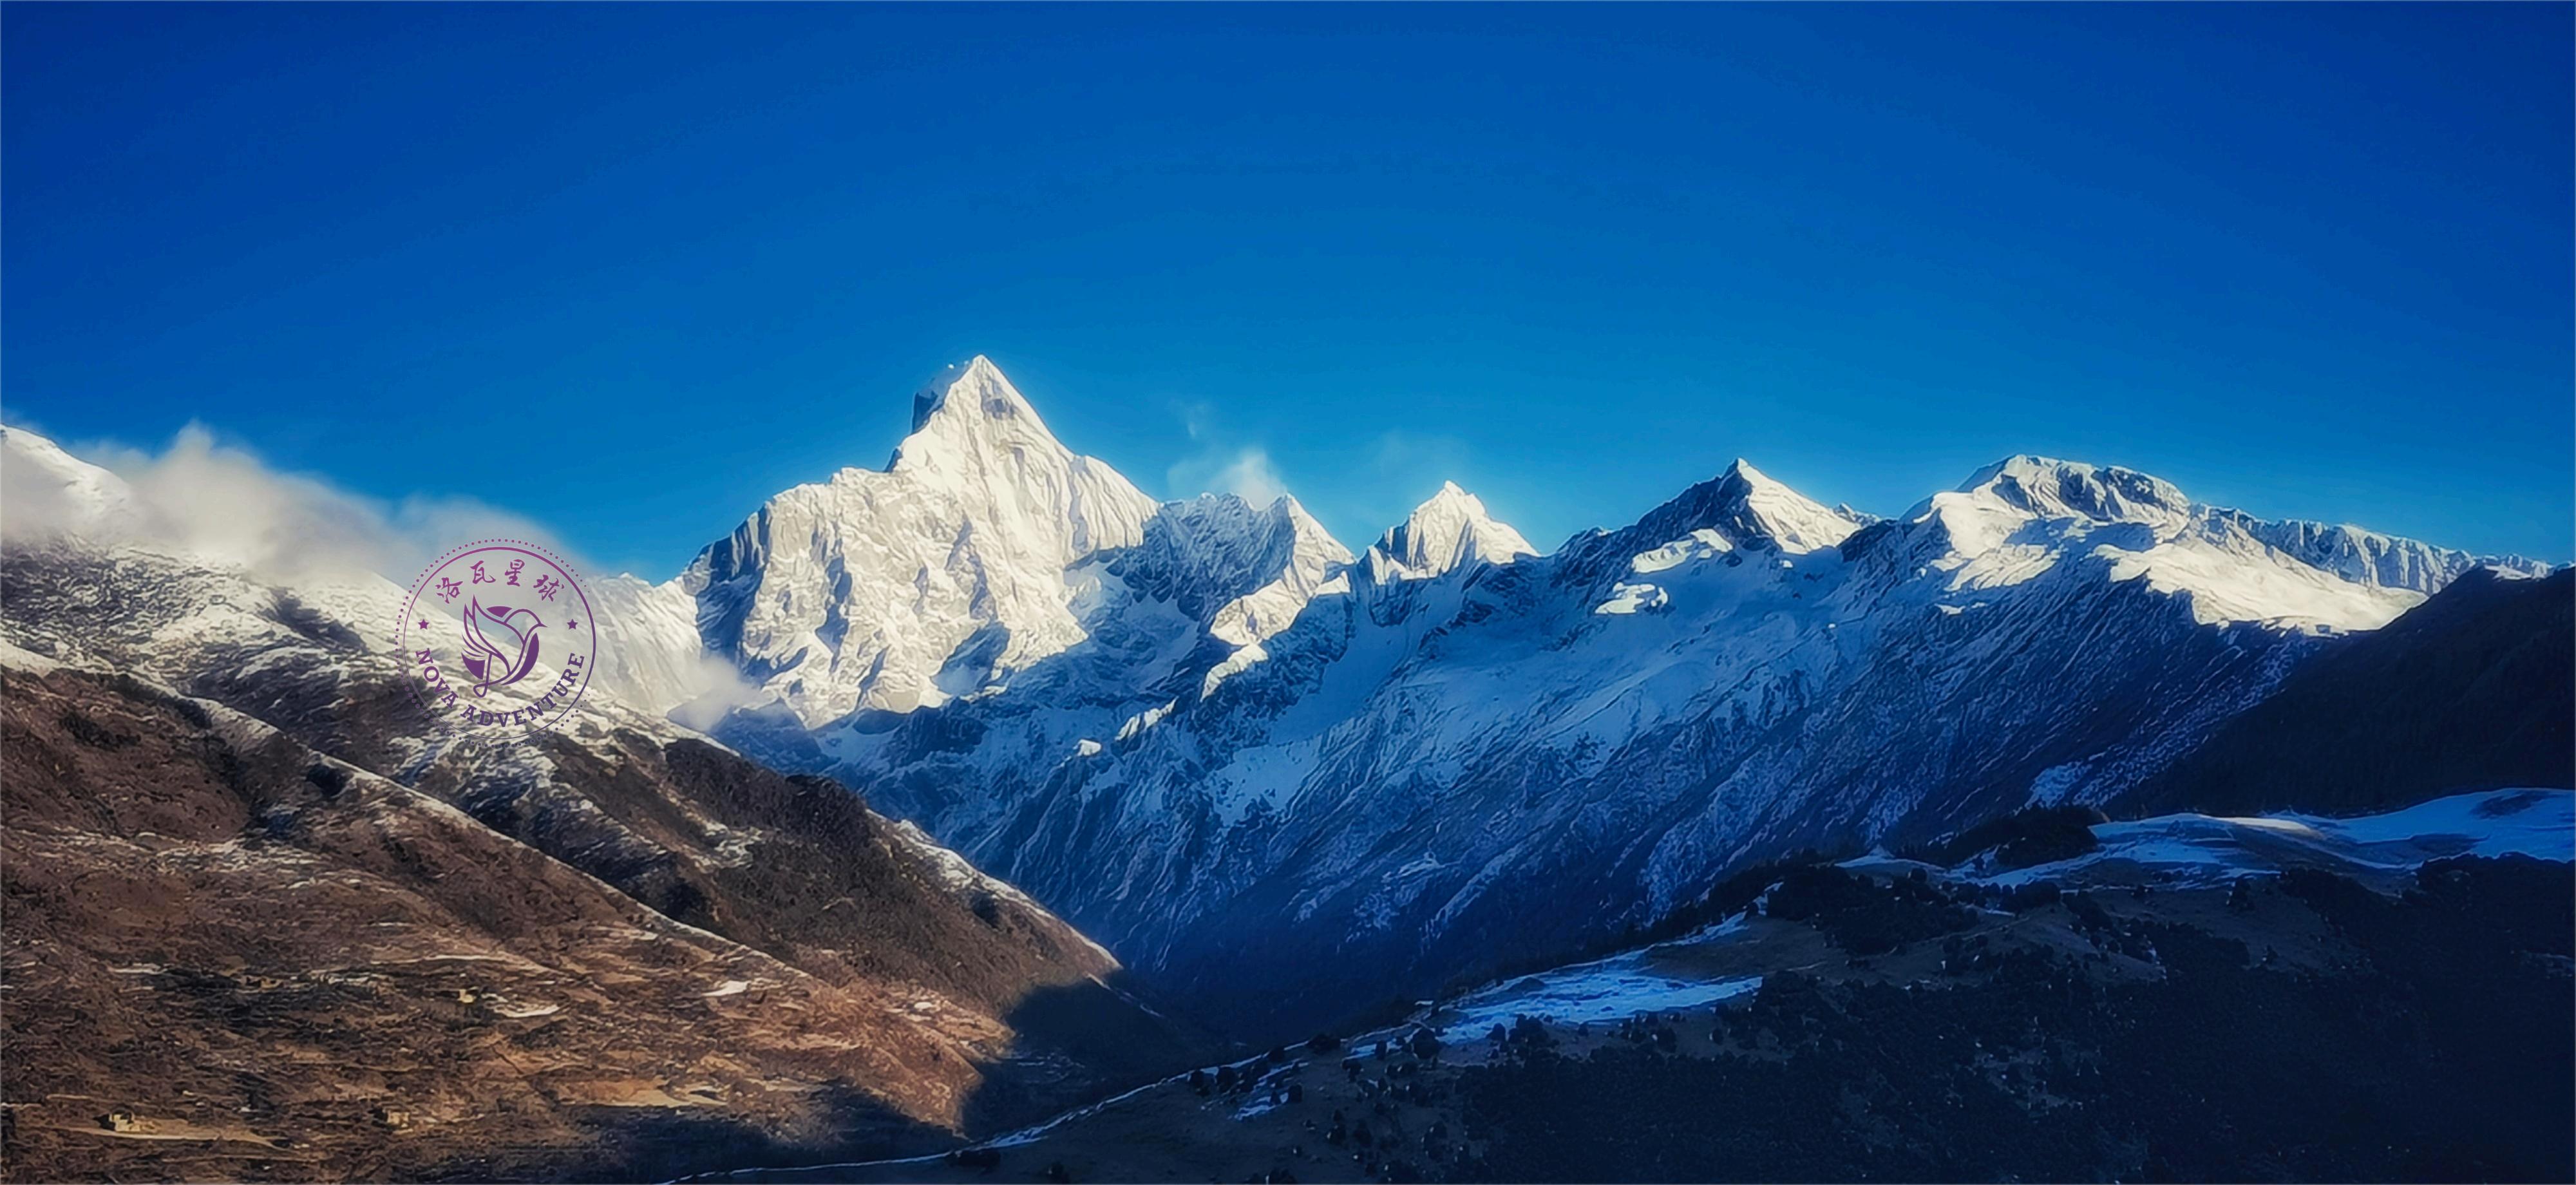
(976,396)
(1763,510)
(1450,529)
(2134,510)
(984,548)
(2050,488)
(2001,502)
(857,592)
(1741,507)
(45,491)
(976,437)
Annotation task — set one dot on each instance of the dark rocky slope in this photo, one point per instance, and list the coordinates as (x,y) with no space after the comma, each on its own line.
(2474,689)
(283,967)
(890,997)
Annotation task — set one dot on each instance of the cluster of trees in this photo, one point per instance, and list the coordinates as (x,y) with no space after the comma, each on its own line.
(1526,1033)
(1864,915)
(1378,1140)
(2039,835)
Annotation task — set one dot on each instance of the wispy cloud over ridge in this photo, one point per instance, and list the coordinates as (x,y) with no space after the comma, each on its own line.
(219,501)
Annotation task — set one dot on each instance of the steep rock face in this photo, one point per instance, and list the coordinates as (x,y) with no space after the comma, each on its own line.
(1163,622)
(1449,530)
(860,591)
(1238,571)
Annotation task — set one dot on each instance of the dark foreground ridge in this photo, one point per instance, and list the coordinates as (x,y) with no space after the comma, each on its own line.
(2433,1045)
(1892,1021)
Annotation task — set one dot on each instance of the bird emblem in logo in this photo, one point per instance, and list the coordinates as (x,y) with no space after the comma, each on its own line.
(465,684)
(500,644)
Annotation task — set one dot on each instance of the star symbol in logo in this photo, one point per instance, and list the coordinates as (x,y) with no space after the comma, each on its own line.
(572,625)
(424,623)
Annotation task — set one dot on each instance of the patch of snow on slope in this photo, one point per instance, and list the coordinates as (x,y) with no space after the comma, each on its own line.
(1603,991)
(2205,849)
(1235,664)
(2538,823)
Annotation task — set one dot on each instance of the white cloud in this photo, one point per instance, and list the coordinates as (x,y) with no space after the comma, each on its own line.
(1246,473)
(720,689)
(1413,457)
(1402,469)
(1220,468)
(221,503)
(1198,418)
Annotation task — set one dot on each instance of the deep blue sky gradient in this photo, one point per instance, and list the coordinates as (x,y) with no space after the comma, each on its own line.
(2309,260)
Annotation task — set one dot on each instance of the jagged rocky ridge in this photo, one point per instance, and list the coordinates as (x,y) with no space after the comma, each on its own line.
(1284,780)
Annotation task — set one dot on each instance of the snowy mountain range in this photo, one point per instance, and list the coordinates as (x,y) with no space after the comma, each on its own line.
(1288,780)
(1250,761)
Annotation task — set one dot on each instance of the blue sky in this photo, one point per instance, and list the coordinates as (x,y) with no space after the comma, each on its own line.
(2311,260)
